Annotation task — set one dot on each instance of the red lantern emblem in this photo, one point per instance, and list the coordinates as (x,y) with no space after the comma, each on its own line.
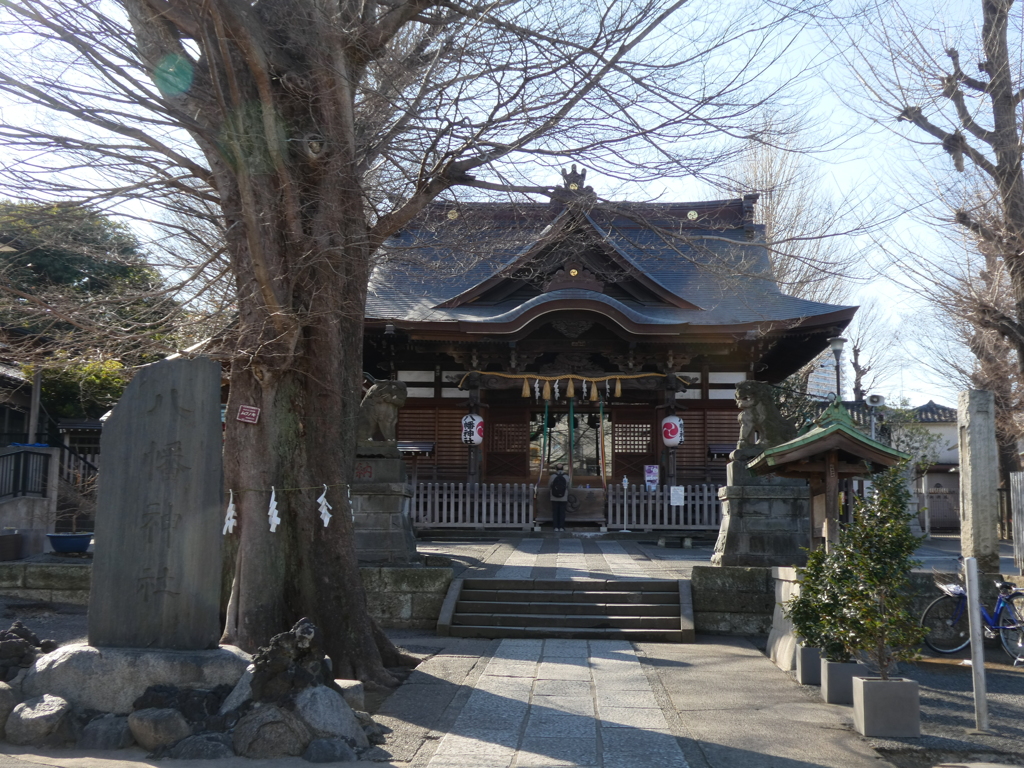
(672,431)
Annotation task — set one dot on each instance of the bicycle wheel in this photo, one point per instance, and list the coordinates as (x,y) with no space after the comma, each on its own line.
(947,623)
(1011,627)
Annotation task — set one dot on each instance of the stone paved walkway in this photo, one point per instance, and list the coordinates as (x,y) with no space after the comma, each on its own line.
(718,703)
(546,703)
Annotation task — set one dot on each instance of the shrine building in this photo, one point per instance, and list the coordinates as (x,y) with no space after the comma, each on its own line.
(573,329)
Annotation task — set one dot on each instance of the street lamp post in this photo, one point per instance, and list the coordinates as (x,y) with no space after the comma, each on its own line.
(837,343)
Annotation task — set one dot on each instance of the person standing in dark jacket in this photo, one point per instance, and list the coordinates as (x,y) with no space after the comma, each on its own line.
(558,488)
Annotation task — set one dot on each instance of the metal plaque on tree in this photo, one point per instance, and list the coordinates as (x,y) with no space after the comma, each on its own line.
(156,571)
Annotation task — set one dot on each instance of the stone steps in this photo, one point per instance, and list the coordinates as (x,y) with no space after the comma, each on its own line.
(633,609)
(574,608)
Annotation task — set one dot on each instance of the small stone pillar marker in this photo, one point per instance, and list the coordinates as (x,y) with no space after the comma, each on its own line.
(156,572)
(979,479)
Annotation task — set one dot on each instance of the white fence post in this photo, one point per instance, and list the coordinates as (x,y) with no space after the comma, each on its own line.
(512,505)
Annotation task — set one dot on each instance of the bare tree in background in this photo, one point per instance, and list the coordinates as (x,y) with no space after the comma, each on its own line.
(873,348)
(970,355)
(314,131)
(809,238)
(957,91)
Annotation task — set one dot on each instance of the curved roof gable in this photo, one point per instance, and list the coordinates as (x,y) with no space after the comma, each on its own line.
(646,264)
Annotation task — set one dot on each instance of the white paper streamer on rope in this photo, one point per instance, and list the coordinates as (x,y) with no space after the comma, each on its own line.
(325,507)
(584,388)
(275,519)
(230,519)
(556,389)
(536,388)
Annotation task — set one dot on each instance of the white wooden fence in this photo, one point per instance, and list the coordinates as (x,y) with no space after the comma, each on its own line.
(472,505)
(637,508)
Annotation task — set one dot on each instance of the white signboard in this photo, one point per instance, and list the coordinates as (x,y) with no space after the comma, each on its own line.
(677,495)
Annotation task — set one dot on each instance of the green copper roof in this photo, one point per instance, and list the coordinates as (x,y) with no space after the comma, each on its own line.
(834,428)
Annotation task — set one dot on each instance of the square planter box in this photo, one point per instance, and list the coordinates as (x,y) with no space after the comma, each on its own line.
(837,681)
(808,666)
(885,708)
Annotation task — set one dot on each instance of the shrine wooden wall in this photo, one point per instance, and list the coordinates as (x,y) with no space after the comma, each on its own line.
(636,441)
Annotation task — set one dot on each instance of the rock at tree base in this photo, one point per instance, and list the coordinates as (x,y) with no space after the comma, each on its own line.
(19,647)
(34,720)
(240,694)
(328,715)
(106,732)
(329,751)
(198,705)
(205,746)
(352,690)
(155,728)
(269,731)
(293,661)
(374,731)
(158,523)
(8,701)
(111,679)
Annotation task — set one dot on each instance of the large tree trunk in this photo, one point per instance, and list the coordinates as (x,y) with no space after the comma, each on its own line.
(300,363)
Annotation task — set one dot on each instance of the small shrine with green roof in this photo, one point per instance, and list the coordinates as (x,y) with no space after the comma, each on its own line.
(830,451)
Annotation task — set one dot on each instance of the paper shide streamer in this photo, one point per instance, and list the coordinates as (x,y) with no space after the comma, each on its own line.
(325,507)
(275,519)
(230,519)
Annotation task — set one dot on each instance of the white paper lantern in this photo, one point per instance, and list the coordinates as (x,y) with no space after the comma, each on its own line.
(672,431)
(472,429)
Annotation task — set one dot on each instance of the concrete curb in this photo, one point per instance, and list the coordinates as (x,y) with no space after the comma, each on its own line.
(444,620)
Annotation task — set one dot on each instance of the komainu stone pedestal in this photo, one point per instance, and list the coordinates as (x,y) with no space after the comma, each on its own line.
(764,524)
(383,530)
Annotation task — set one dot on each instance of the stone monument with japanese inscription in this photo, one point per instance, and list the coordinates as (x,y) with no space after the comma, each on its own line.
(157,565)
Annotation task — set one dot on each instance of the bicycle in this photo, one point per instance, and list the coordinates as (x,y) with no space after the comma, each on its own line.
(949,625)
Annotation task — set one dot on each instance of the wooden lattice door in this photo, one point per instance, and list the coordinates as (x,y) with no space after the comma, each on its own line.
(507,434)
(633,443)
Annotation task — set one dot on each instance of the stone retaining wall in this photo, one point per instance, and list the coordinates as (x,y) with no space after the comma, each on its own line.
(732,600)
(406,597)
(48,582)
(399,597)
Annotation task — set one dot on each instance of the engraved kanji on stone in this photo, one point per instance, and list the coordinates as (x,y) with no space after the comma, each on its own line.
(179,408)
(153,581)
(159,519)
(169,460)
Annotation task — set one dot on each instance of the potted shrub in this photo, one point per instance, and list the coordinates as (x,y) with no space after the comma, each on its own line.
(808,611)
(877,623)
(76,510)
(864,603)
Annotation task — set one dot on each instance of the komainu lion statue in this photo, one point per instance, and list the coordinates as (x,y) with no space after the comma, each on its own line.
(379,410)
(761,424)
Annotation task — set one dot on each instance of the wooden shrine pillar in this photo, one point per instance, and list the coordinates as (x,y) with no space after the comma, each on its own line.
(475,473)
(825,504)
(672,385)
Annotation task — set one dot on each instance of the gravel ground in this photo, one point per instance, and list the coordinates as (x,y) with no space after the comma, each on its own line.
(947,714)
(948,718)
